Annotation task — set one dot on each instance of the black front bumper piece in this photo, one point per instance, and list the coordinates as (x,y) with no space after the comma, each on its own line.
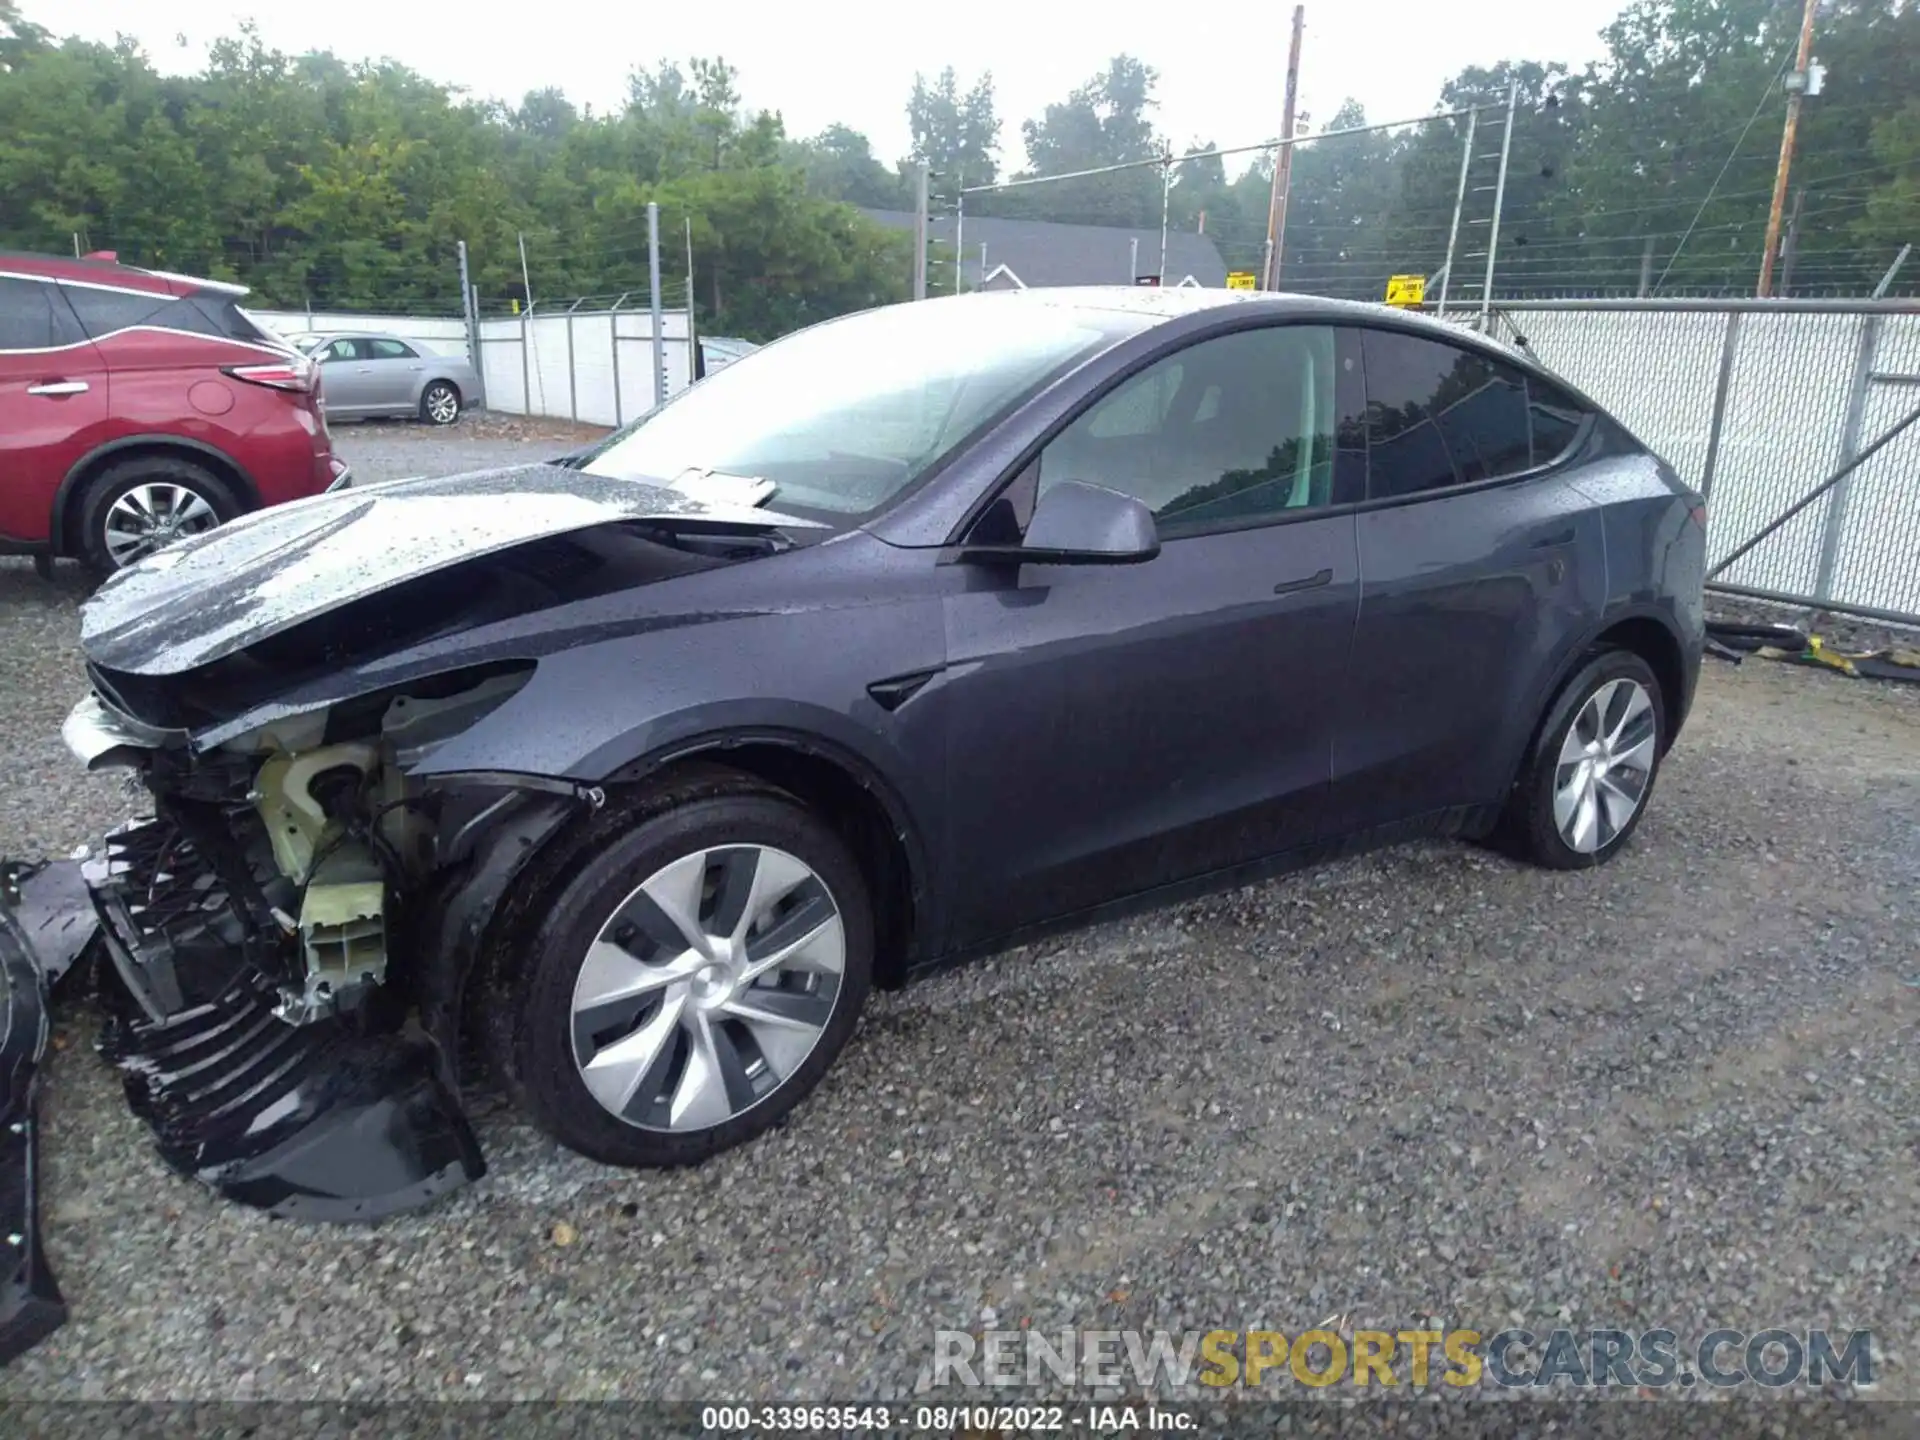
(46,923)
(330,1120)
(338,1120)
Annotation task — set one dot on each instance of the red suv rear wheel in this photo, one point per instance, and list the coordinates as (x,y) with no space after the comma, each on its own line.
(135,507)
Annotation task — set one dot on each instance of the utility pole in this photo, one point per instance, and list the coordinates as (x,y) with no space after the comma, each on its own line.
(920,234)
(1791,245)
(1283,162)
(1646,268)
(1796,91)
(653,272)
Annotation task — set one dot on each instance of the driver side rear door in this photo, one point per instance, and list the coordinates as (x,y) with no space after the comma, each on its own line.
(1117,728)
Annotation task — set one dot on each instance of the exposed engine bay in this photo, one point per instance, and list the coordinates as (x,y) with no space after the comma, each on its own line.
(288,941)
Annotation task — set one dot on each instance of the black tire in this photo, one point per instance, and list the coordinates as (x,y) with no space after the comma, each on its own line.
(434,397)
(1527,828)
(533,1046)
(126,476)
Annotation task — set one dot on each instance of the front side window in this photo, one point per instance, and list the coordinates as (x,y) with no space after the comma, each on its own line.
(845,415)
(1237,430)
(342,350)
(26,316)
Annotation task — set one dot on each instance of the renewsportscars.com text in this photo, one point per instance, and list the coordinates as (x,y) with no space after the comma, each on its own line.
(1508,1359)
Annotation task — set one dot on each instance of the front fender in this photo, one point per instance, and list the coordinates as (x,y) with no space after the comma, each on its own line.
(590,713)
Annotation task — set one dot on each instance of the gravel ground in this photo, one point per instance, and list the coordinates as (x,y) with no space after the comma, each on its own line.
(1423,1083)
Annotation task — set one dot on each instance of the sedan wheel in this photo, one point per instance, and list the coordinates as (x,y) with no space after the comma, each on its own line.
(1587,779)
(440,405)
(692,981)
(708,988)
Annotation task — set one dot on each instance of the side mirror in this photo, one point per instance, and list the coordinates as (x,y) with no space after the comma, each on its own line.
(1079,524)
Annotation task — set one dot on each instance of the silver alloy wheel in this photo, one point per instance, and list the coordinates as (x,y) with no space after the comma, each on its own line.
(153,515)
(707,988)
(443,406)
(1605,766)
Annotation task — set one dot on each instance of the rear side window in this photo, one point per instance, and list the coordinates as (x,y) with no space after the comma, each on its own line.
(102,312)
(26,315)
(1439,415)
(390,350)
(225,317)
(1557,418)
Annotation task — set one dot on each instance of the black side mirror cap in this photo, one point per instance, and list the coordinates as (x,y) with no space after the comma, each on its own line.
(1079,524)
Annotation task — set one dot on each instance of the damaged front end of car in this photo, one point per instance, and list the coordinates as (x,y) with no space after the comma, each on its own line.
(283,937)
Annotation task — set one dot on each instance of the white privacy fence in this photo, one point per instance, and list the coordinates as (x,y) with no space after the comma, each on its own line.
(593,366)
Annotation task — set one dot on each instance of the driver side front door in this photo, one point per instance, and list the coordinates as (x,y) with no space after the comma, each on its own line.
(1119,728)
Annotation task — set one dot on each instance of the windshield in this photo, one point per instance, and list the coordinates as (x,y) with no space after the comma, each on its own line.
(846,414)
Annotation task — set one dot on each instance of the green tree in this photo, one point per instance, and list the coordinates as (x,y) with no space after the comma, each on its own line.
(955,133)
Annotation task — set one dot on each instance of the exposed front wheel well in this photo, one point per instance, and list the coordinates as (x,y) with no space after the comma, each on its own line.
(67,531)
(859,816)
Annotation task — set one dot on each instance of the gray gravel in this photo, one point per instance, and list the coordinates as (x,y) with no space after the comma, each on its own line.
(1422,1083)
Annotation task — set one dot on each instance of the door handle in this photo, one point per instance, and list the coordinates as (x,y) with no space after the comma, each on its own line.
(1309,582)
(1554,541)
(58,387)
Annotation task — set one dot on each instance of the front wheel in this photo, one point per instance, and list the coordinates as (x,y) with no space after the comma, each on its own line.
(440,403)
(1590,771)
(693,981)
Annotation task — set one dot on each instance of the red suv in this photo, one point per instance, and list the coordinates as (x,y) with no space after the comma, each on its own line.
(138,406)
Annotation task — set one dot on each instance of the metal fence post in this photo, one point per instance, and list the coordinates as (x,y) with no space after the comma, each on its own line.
(1717,426)
(526,367)
(1836,520)
(659,340)
(613,345)
(573,382)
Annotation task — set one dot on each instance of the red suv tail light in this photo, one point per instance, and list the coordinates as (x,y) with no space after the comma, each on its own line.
(296,372)
(1699,514)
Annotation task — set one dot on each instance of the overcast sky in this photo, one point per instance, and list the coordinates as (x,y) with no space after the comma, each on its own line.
(853,61)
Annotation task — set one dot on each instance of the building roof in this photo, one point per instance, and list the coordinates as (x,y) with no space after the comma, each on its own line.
(1041,253)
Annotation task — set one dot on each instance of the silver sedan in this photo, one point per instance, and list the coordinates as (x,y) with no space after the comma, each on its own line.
(367,375)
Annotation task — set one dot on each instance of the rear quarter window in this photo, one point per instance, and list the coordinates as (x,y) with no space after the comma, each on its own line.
(102,312)
(1557,418)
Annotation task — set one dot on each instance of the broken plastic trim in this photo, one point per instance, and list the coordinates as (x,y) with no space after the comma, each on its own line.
(35,905)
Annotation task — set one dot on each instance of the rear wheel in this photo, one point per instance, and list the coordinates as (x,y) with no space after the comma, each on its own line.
(138,506)
(692,982)
(1590,772)
(440,403)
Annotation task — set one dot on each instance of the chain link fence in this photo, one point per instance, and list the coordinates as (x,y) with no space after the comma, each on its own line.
(1797,420)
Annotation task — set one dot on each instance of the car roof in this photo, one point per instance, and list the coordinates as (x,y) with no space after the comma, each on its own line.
(93,270)
(1160,306)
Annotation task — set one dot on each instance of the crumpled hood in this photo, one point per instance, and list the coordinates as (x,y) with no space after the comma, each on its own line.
(218,593)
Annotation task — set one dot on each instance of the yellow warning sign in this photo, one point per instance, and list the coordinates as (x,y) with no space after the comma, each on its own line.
(1406,289)
(1242,280)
